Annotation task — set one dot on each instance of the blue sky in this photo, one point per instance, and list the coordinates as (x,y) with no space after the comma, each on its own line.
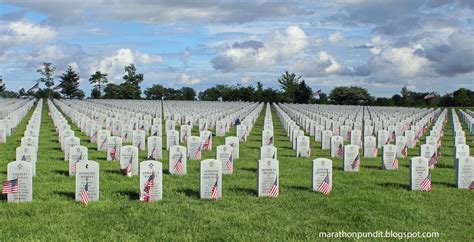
(379,45)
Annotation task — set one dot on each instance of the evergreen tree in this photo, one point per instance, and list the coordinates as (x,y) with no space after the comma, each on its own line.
(2,85)
(70,83)
(98,80)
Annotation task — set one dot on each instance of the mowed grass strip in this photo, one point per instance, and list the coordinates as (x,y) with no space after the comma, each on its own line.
(370,200)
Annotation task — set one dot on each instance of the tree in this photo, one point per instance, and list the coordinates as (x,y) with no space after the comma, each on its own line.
(70,83)
(47,70)
(2,85)
(350,95)
(22,92)
(112,91)
(132,81)
(95,93)
(155,92)
(461,97)
(188,93)
(289,83)
(99,80)
(303,93)
(210,94)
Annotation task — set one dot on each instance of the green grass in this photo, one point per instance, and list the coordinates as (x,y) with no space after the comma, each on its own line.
(370,200)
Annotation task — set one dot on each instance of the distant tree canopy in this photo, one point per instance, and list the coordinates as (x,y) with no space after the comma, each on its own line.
(295,88)
(157,92)
(350,96)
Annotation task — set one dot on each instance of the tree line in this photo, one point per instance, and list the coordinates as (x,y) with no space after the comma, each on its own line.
(293,89)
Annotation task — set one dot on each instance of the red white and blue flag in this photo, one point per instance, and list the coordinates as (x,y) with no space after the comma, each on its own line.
(355,164)
(215,189)
(179,164)
(325,186)
(433,160)
(340,150)
(426,183)
(274,188)
(10,186)
(150,182)
(230,163)
(85,194)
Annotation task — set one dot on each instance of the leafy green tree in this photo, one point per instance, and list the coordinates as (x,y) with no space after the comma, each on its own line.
(289,82)
(155,92)
(47,70)
(70,83)
(99,80)
(188,93)
(112,91)
(210,94)
(22,92)
(350,95)
(303,93)
(132,81)
(461,97)
(2,85)
(95,93)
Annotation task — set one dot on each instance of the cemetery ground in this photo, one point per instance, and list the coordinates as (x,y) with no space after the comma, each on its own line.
(370,200)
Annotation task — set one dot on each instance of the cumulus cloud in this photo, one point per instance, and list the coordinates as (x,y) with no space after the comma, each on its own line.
(252,54)
(23,32)
(322,64)
(114,64)
(334,38)
(185,79)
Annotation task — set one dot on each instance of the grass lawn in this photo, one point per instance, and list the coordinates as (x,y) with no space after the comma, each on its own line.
(370,200)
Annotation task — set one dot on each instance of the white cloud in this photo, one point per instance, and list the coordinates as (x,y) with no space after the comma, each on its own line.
(322,64)
(114,64)
(334,38)
(276,48)
(245,80)
(23,32)
(187,80)
(186,56)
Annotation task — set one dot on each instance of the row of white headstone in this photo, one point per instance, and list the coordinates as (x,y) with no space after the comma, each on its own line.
(224,156)
(21,171)
(12,112)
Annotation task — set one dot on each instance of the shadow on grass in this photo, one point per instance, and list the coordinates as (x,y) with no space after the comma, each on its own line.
(249,169)
(441,165)
(114,172)
(393,185)
(132,195)
(69,195)
(299,188)
(452,185)
(61,172)
(248,191)
(189,192)
(371,167)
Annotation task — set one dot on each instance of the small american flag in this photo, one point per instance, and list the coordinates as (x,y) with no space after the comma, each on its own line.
(155,133)
(10,186)
(433,160)
(130,164)
(230,163)
(113,153)
(325,186)
(349,135)
(198,152)
(207,143)
(387,141)
(125,136)
(426,183)
(405,150)
(149,183)
(153,153)
(375,151)
(395,163)
(215,189)
(270,141)
(394,135)
(340,150)
(179,164)
(440,142)
(355,164)
(274,188)
(274,155)
(74,165)
(102,146)
(244,136)
(94,135)
(139,145)
(85,194)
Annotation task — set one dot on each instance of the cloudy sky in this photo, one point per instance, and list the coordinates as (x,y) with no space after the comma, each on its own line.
(378,44)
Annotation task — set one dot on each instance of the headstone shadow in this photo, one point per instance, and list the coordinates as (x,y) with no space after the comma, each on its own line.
(249,191)
(189,192)
(132,195)
(394,185)
(69,195)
